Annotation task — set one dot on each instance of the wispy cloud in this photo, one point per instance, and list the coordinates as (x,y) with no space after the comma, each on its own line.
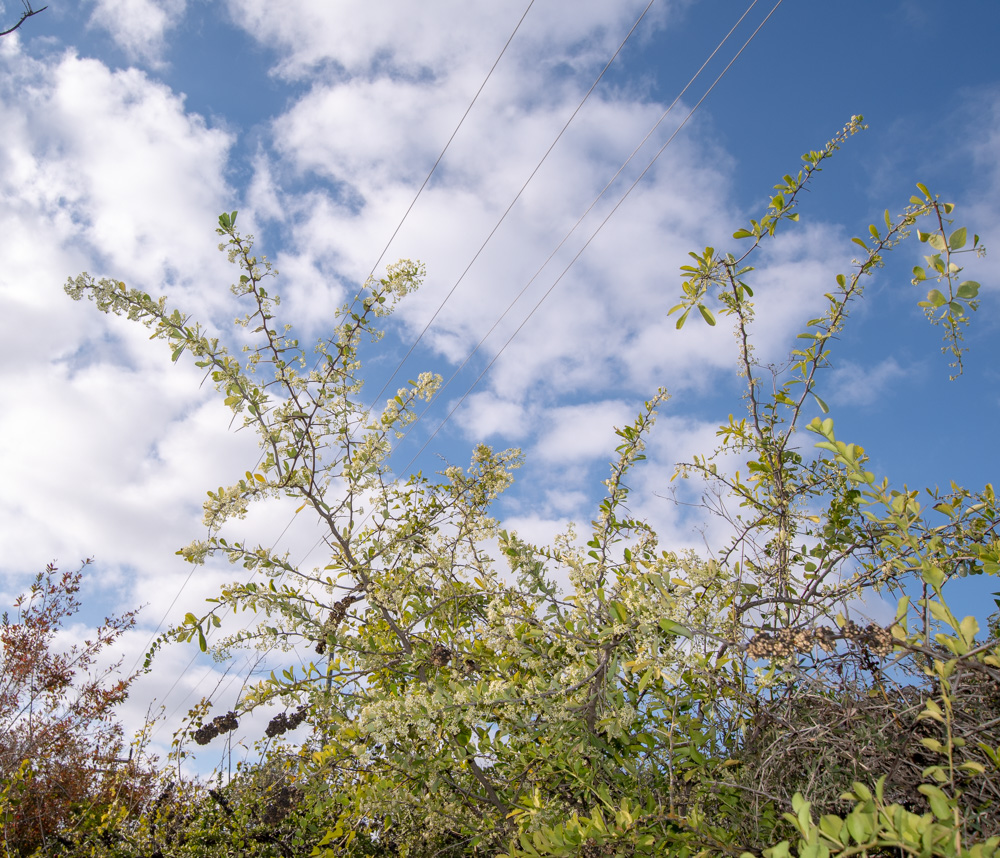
(139,27)
(856,385)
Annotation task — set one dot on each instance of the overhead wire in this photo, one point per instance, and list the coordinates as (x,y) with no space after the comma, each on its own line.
(591,238)
(507,211)
(573,228)
(580,220)
(588,241)
(420,190)
(385,249)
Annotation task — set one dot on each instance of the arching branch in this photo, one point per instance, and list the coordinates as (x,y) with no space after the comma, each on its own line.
(28,13)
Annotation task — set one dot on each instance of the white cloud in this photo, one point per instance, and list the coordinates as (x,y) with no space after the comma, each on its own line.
(983,213)
(420,40)
(574,433)
(108,446)
(139,27)
(851,383)
(488,415)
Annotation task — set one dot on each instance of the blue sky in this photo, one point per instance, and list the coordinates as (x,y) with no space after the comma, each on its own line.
(128,125)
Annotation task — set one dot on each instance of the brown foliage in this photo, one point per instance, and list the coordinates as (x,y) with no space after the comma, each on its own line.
(63,759)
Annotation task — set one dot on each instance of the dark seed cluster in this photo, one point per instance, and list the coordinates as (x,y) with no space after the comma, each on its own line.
(283,722)
(282,803)
(785,643)
(872,637)
(440,655)
(337,614)
(219,724)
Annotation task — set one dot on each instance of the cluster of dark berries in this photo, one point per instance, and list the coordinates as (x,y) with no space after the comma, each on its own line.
(283,722)
(219,724)
(873,637)
(337,614)
(221,800)
(440,655)
(785,643)
(282,803)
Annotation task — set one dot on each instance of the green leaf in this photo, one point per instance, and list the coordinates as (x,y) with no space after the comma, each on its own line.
(706,314)
(940,806)
(832,826)
(936,240)
(956,240)
(968,628)
(645,680)
(936,299)
(201,640)
(742,233)
(683,318)
(822,405)
(672,628)
(861,791)
(860,825)
(967,290)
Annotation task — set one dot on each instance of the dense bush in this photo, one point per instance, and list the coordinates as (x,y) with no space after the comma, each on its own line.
(662,703)
(63,760)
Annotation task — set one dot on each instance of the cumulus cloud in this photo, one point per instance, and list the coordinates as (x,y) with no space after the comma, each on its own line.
(851,383)
(579,432)
(105,171)
(139,27)
(410,41)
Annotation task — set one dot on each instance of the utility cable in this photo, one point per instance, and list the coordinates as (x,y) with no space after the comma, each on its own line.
(420,190)
(503,217)
(589,240)
(507,211)
(580,220)
(385,249)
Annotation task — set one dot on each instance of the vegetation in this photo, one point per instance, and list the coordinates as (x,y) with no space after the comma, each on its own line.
(63,761)
(661,703)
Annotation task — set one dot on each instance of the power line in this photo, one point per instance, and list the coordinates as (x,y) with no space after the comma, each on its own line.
(406,214)
(420,190)
(503,217)
(581,218)
(590,239)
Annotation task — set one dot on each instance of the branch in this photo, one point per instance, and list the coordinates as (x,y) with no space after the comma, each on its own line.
(29,13)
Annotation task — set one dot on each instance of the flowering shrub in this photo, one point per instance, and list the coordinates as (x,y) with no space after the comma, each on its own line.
(666,703)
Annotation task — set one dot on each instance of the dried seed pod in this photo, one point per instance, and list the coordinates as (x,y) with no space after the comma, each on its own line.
(219,724)
(440,655)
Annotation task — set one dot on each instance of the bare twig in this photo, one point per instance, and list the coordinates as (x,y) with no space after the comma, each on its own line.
(28,13)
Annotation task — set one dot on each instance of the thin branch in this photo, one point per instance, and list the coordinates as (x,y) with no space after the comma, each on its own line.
(28,13)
